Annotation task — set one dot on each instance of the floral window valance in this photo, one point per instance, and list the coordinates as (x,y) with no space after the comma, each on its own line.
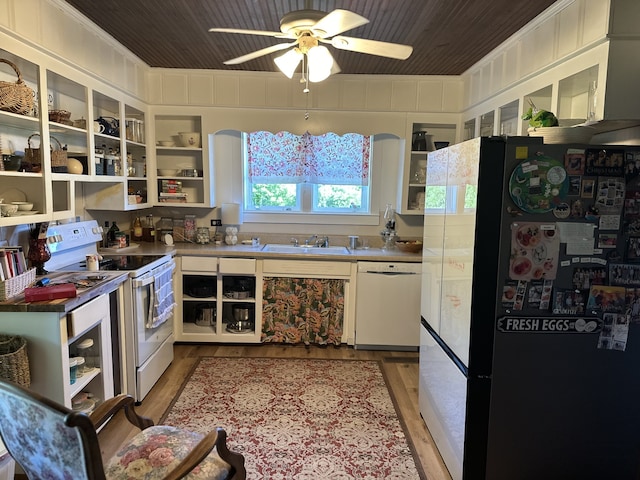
(328,159)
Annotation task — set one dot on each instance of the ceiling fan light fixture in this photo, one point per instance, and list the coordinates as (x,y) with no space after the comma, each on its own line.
(288,62)
(320,63)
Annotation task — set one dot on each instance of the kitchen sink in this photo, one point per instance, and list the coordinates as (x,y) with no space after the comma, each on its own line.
(305,249)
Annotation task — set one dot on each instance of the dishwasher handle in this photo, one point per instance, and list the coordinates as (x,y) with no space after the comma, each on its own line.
(374,272)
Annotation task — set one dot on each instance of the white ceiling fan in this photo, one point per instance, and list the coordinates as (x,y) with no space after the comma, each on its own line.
(308,28)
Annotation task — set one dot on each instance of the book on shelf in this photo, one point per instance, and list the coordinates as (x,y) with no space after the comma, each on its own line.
(173,194)
(12,262)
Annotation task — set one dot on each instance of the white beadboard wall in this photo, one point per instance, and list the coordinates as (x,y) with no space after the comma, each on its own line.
(270,90)
(566,30)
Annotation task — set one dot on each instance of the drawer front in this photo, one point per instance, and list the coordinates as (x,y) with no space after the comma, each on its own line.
(200,264)
(238,265)
(306,268)
(87,315)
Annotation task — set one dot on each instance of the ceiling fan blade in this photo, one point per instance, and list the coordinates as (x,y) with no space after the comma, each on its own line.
(373,47)
(337,22)
(251,32)
(259,53)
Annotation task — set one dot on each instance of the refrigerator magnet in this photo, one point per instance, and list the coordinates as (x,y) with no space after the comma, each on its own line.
(538,185)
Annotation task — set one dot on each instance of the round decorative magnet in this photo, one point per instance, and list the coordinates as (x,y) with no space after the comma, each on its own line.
(561,210)
(539,184)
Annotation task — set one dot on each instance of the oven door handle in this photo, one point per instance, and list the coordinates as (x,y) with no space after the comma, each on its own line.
(144,282)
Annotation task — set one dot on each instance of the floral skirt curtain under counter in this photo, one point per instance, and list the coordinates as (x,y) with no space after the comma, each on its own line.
(296,310)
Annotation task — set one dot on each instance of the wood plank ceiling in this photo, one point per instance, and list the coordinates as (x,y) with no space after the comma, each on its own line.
(448,36)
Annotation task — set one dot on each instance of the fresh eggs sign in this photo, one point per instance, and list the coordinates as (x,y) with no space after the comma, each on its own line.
(549,325)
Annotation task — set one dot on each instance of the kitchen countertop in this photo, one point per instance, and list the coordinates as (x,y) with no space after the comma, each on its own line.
(64,305)
(371,254)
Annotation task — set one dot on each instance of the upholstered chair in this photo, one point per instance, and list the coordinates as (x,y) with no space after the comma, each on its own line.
(49,440)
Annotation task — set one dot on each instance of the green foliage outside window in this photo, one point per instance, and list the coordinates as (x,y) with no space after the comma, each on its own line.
(274,195)
(339,196)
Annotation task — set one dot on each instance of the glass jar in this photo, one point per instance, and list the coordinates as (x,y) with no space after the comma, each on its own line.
(190,228)
(73,370)
(178,229)
(164,227)
(130,124)
(202,235)
(81,366)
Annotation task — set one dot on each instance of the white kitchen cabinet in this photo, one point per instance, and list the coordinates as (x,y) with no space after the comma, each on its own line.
(119,160)
(52,190)
(53,336)
(15,129)
(208,289)
(508,118)
(183,170)
(412,176)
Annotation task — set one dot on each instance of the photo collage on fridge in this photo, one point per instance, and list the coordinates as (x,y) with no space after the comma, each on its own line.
(575,242)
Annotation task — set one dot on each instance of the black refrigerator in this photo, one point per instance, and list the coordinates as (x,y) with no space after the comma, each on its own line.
(530,306)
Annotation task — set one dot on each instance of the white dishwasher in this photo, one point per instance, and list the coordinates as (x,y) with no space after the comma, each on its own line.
(388,306)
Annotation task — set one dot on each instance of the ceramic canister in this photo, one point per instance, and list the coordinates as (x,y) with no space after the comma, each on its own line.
(93,262)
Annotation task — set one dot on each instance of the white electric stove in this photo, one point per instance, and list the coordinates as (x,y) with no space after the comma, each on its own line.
(146,346)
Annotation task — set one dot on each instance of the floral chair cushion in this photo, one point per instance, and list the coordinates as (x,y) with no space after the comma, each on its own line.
(156,450)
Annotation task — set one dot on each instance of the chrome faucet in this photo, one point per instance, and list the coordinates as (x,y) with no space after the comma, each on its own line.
(312,237)
(294,241)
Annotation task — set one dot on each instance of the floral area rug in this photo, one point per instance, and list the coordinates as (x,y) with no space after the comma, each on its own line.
(299,419)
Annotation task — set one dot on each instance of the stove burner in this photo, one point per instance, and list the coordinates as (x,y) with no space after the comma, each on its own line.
(123,262)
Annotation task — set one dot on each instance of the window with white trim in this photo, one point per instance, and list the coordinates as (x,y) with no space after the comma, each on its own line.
(329,173)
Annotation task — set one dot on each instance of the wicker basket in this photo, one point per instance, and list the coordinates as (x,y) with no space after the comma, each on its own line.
(14,362)
(60,116)
(59,160)
(15,285)
(15,97)
(409,246)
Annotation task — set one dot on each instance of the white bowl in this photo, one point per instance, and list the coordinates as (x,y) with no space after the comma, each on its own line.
(190,139)
(8,209)
(166,143)
(23,206)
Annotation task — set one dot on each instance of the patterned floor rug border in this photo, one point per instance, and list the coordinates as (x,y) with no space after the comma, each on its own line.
(199,409)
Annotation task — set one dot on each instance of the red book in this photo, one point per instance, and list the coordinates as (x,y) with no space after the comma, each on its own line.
(38,294)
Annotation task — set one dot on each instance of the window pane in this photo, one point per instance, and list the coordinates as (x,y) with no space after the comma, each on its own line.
(436,197)
(273,195)
(333,197)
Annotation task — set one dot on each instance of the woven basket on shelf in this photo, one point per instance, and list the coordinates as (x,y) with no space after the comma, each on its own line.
(15,97)
(14,362)
(59,160)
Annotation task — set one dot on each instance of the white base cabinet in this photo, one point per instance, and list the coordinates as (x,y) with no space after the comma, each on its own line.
(209,290)
(52,337)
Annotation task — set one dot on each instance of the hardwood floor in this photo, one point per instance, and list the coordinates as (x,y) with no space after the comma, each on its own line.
(401,369)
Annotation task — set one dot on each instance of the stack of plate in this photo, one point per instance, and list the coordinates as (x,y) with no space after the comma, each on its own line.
(576,134)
